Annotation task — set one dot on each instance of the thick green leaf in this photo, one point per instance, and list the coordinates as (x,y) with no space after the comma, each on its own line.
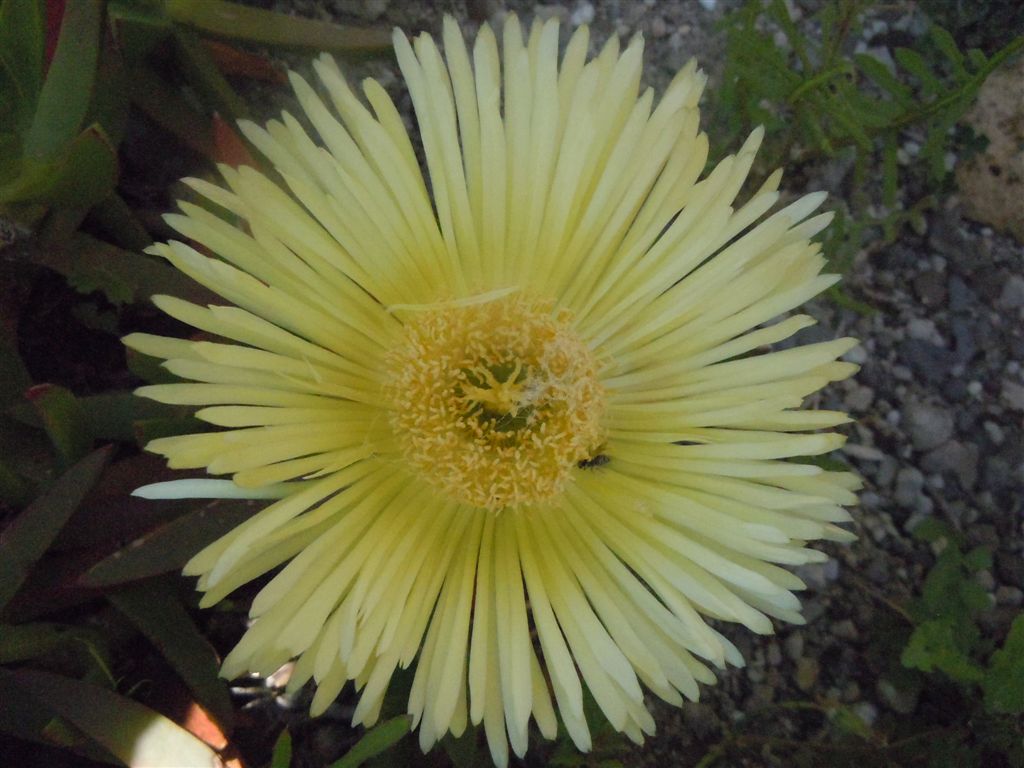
(115,415)
(28,719)
(153,607)
(147,430)
(123,276)
(170,110)
(82,175)
(225,19)
(10,150)
(120,223)
(149,369)
(138,26)
(1004,679)
(168,548)
(15,490)
(282,757)
(14,378)
(25,540)
(375,741)
(21,57)
(202,72)
(20,642)
(67,92)
(135,734)
(64,420)
(110,103)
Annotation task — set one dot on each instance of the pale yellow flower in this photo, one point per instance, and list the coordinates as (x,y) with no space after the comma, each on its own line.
(533,398)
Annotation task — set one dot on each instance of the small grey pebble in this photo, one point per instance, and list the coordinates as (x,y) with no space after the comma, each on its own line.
(960,459)
(928,425)
(985,580)
(794,645)
(994,432)
(845,629)
(807,671)
(866,711)
(909,486)
(1012,295)
(899,700)
(1013,394)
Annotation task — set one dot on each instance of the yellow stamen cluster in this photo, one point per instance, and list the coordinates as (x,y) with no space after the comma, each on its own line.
(494,403)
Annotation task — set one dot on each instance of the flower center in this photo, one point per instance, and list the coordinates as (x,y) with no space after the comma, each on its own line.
(495,402)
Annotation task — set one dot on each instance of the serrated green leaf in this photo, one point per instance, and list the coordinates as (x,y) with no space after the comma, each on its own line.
(170,546)
(135,734)
(224,19)
(21,59)
(932,529)
(890,170)
(945,43)
(974,597)
(63,418)
(1004,678)
(916,65)
(883,78)
(978,559)
(977,58)
(933,645)
(375,741)
(155,611)
(67,91)
(848,721)
(25,540)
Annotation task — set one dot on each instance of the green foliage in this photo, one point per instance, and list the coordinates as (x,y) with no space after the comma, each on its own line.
(376,741)
(946,635)
(968,693)
(818,102)
(1004,679)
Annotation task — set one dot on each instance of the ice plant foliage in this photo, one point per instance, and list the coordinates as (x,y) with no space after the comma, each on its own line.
(522,427)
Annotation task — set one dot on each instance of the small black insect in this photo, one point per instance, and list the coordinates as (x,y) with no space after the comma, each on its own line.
(593,462)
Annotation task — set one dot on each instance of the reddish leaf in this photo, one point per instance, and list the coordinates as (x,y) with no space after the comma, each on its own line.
(228,146)
(54,16)
(233,61)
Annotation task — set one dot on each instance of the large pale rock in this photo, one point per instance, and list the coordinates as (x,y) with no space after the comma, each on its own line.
(992,182)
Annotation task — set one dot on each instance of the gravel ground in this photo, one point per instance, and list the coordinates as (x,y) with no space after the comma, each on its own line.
(939,404)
